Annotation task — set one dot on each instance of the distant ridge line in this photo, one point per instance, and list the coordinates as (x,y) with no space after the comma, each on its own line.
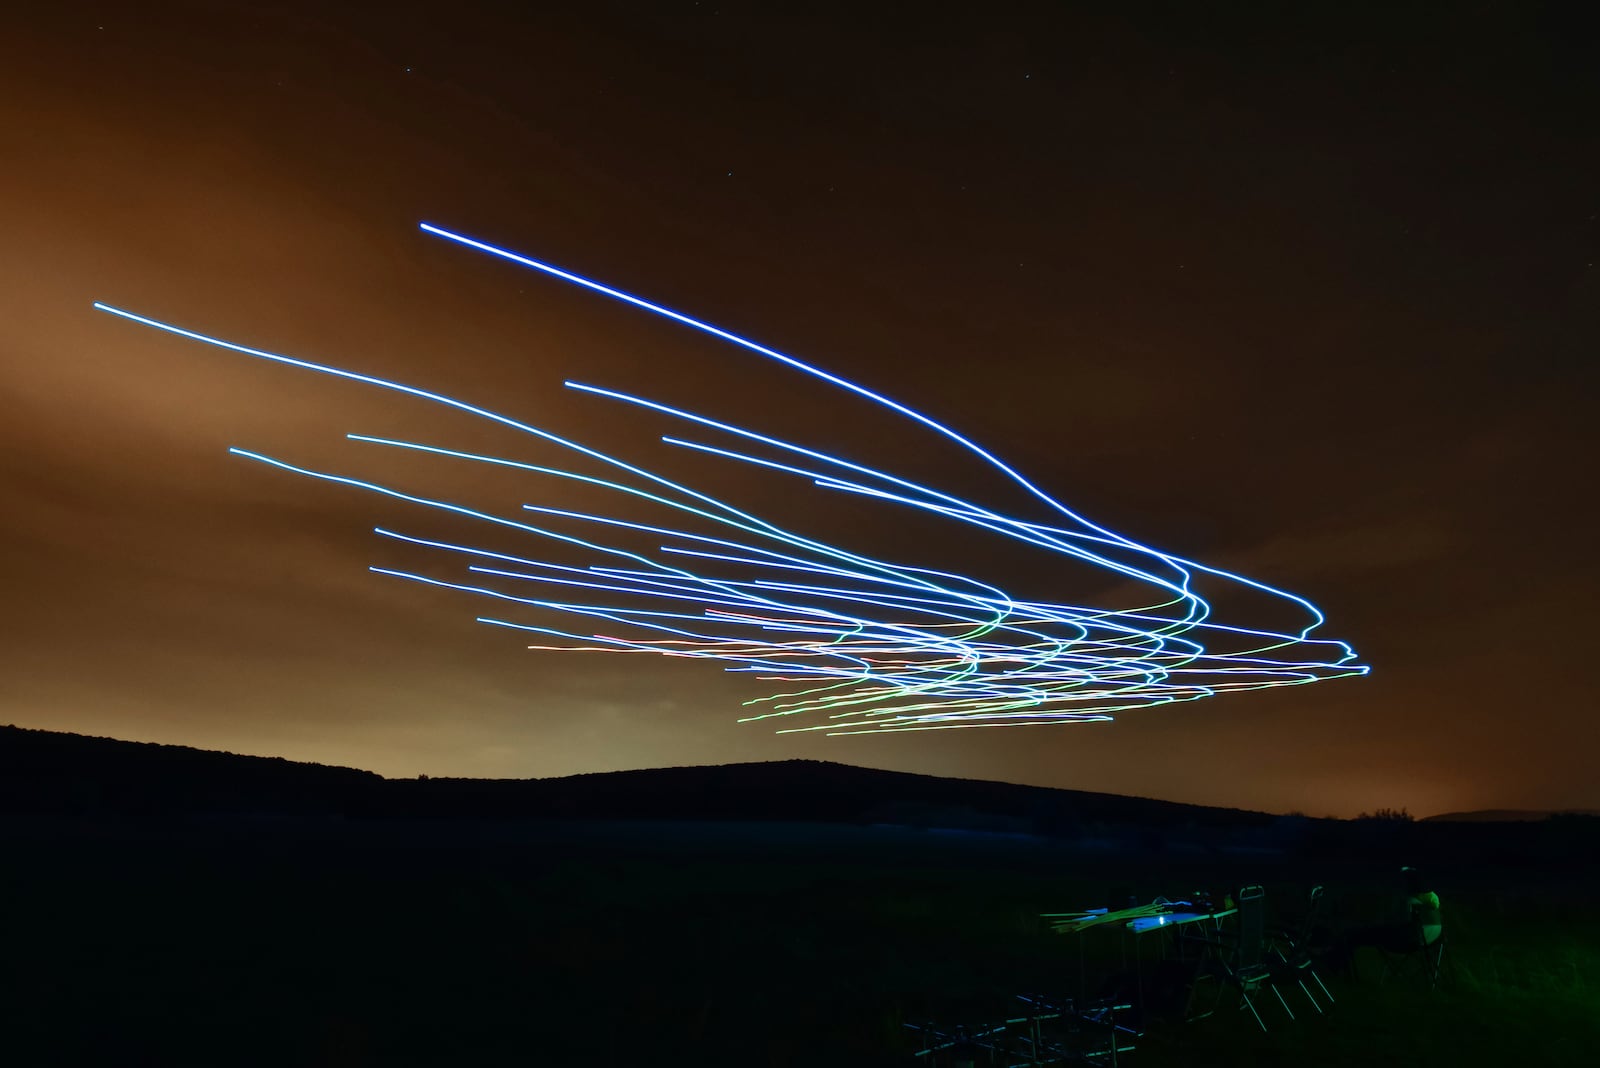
(90,791)
(1509,815)
(63,772)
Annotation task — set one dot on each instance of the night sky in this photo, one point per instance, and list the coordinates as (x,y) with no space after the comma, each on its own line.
(1312,296)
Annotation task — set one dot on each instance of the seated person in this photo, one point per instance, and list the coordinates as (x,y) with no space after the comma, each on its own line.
(1422,907)
(1419,923)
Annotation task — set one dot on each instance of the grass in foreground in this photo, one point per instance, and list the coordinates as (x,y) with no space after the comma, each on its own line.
(683,945)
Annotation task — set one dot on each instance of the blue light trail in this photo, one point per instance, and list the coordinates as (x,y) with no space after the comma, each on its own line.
(861,644)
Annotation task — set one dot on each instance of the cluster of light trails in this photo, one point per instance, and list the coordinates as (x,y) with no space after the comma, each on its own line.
(853,642)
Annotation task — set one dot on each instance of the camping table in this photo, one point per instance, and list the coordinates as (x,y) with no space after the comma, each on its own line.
(1140,920)
(1174,921)
(1164,920)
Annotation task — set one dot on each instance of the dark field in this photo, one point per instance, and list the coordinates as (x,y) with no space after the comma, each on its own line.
(293,941)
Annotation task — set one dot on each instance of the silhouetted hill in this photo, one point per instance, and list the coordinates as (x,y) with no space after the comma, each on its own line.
(50,772)
(802,790)
(1508,815)
(47,777)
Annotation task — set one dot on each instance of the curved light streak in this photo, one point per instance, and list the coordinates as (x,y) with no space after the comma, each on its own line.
(859,644)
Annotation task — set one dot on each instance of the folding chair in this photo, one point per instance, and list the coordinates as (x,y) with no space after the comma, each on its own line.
(1291,950)
(1424,958)
(1242,962)
(1073,1031)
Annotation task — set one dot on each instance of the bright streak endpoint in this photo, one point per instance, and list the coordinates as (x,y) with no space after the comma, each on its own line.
(853,643)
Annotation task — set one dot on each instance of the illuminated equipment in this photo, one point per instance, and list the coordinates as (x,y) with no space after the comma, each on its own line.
(858,643)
